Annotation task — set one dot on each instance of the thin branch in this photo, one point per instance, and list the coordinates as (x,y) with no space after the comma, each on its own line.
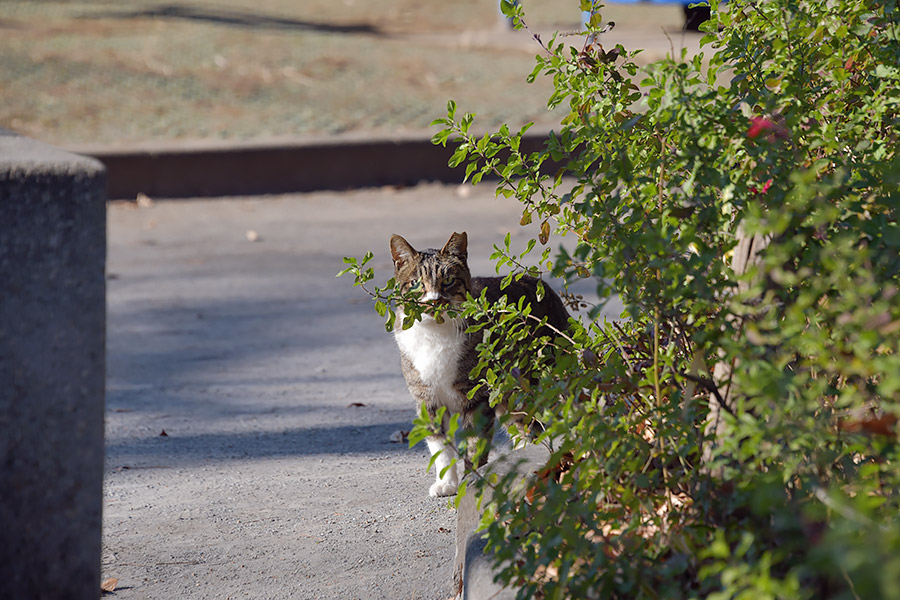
(710,386)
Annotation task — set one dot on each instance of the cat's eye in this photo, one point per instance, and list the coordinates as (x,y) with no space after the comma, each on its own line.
(415,285)
(449,281)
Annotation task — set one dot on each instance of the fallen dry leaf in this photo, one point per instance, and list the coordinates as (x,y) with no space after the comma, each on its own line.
(163,433)
(356,404)
(881,425)
(109,585)
(554,471)
(144,201)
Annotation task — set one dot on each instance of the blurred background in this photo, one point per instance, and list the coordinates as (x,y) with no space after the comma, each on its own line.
(88,72)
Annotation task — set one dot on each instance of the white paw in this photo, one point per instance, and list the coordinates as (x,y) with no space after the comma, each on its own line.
(441,488)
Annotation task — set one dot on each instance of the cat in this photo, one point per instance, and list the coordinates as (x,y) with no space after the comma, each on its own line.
(437,354)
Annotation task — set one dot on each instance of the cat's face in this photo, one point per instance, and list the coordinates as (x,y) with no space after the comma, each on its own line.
(439,277)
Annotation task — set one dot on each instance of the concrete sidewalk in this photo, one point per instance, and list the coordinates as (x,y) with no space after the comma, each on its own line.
(270,481)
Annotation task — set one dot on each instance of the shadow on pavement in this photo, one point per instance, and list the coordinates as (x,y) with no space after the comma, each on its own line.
(235,18)
(185,450)
(181,341)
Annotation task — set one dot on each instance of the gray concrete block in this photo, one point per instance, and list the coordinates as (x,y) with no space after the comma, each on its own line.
(474,569)
(52,370)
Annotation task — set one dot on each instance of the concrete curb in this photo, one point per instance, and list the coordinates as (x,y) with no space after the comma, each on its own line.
(276,167)
(473,567)
(52,365)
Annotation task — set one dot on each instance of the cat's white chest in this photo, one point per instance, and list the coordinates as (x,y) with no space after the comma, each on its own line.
(434,350)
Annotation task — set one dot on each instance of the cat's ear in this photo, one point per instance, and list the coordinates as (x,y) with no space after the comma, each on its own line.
(401,251)
(457,246)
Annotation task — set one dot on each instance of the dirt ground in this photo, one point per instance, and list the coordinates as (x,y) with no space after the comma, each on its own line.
(110,72)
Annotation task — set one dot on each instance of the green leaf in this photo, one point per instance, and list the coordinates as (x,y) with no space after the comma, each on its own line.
(440,138)
(470,168)
(508,8)
(460,493)
(458,156)
(466,122)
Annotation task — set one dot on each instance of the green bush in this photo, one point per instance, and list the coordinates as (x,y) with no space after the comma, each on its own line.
(734,435)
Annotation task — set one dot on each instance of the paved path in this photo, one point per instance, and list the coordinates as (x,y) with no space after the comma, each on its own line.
(269,483)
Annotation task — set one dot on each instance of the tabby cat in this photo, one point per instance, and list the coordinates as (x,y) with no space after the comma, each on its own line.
(436,354)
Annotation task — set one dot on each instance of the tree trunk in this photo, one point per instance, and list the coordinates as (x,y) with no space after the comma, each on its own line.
(746,255)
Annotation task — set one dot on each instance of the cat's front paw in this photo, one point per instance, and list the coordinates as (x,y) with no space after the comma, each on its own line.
(441,488)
